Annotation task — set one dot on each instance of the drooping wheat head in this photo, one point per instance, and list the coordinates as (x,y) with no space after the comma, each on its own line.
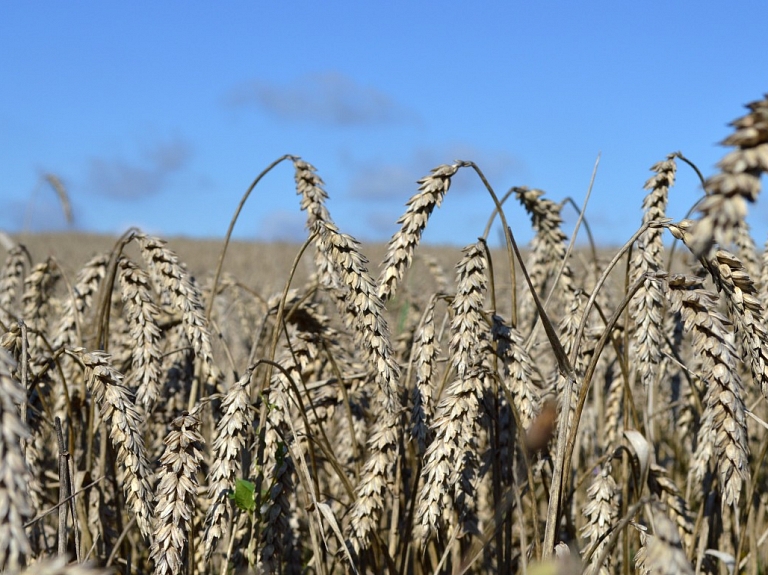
(725,206)
(404,242)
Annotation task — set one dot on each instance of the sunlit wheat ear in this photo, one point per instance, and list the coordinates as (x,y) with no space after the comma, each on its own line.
(425,353)
(744,304)
(370,323)
(117,410)
(15,502)
(141,314)
(724,418)
(375,477)
(11,281)
(313,197)
(450,460)
(231,433)
(176,494)
(662,553)
(763,284)
(173,281)
(746,311)
(521,374)
(747,252)
(548,247)
(647,306)
(400,249)
(277,537)
(601,512)
(738,182)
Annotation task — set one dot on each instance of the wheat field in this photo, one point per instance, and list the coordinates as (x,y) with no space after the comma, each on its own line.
(550,410)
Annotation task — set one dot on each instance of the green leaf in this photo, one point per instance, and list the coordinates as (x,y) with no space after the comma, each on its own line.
(243,495)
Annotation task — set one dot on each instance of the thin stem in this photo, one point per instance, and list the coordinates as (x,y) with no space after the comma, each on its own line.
(231,228)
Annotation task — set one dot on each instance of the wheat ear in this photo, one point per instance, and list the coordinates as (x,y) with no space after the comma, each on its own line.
(119,413)
(350,268)
(521,374)
(601,512)
(425,350)
(141,314)
(738,182)
(746,312)
(176,494)
(11,281)
(15,501)
(647,306)
(662,553)
(724,419)
(400,249)
(450,458)
(173,280)
(231,434)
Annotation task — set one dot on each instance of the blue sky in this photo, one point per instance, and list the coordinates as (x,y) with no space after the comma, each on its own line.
(159,115)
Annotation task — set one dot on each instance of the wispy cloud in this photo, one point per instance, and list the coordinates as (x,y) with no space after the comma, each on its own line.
(382,181)
(125,180)
(38,214)
(327,98)
(282,226)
